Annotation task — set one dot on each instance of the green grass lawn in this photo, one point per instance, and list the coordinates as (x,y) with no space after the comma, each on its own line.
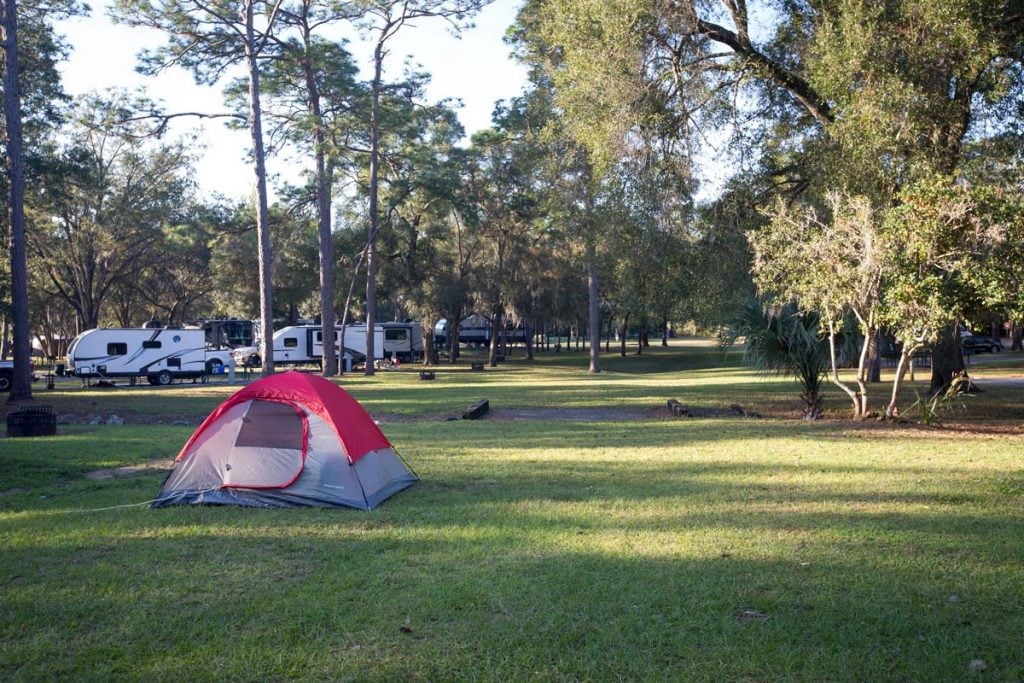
(659,549)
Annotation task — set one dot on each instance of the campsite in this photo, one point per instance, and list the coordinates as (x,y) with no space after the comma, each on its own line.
(512,340)
(607,540)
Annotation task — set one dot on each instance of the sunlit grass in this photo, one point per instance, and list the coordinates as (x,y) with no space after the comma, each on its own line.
(659,549)
(692,371)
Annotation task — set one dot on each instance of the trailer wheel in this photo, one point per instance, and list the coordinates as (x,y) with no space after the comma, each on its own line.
(163,378)
(5,381)
(214,366)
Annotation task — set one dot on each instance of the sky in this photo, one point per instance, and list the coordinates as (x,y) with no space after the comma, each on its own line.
(475,68)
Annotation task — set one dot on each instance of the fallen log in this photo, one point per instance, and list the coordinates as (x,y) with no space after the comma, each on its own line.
(477,410)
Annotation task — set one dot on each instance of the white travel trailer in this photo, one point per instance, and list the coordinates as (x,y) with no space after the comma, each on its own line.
(161,355)
(304,344)
(402,341)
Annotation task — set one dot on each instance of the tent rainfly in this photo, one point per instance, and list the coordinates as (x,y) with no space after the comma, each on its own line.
(287,440)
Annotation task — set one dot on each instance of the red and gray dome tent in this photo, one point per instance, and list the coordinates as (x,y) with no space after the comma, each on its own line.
(287,440)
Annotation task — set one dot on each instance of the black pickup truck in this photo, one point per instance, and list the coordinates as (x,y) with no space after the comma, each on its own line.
(7,372)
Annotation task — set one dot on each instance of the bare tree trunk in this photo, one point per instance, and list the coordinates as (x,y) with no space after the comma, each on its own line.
(622,339)
(371,246)
(834,376)
(348,301)
(906,360)
(262,205)
(875,359)
(453,337)
(862,372)
(430,357)
(21,382)
(593,313)
(324,171)
(492,351)
(947,360)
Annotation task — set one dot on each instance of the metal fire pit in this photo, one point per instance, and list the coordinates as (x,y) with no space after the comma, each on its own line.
(32,421)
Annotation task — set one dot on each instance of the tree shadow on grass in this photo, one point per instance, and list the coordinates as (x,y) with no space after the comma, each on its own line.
(471,592)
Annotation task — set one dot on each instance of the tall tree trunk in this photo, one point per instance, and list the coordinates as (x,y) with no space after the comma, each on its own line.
(430,355)
(371,247)
(21,383)
(906,361)
(262,204)
(664,329)
(593,311)
(947,360)
(834,375)
(324,171)
(875,358)
(453,336)
(622,337)
(494,326)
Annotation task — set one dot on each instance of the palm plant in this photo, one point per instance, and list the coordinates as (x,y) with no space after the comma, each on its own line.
(783,341)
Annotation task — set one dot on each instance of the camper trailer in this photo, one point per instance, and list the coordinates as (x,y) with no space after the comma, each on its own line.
(474,330)
(161,355)
(227,333)
(402,341)
(304,344)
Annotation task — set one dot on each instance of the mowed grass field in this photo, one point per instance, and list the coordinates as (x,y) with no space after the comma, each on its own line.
(569,548)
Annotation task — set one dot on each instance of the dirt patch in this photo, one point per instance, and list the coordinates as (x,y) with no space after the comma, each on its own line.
(129,470)
(128,418)
(576,414)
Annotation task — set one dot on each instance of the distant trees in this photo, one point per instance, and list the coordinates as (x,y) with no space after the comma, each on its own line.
(101,204)
(856,102)
(877,148)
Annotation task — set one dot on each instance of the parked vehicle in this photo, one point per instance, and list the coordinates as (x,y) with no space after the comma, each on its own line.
(976,343)
(227,333)
(161,355)
(402,341)
(7,373)
(474,329)
(304,344)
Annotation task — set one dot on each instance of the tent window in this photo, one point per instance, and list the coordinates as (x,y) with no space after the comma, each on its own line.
(268,424)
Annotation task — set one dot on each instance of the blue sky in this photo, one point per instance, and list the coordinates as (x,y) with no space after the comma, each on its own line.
(475,68)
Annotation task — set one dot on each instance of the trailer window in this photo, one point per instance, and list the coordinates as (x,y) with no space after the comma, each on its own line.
(396,335)
(291,342)
(117,349)
(151,344)
(318,336)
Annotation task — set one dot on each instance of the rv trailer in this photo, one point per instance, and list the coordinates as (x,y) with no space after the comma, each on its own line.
(304,345)
(161,355)
(402,341)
